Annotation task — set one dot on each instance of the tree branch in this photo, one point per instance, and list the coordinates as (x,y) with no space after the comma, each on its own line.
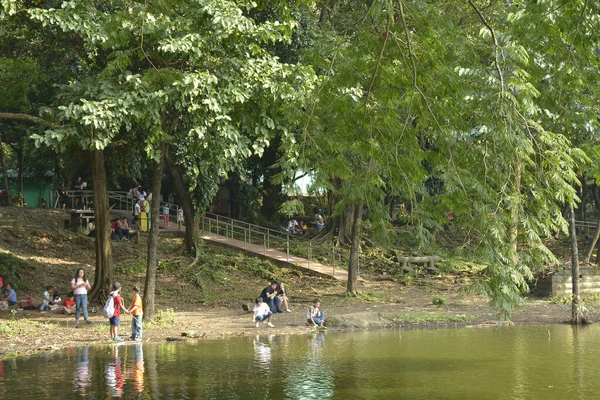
(494,39)
(28,118)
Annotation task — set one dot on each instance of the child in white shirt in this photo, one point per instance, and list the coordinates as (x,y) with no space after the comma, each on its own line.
(261,312)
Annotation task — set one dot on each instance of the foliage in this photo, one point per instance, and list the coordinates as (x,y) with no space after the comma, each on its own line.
(438,300)
(423,318)
(14,270)
(165,318)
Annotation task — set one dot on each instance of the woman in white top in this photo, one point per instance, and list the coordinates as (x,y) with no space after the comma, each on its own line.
(80,286)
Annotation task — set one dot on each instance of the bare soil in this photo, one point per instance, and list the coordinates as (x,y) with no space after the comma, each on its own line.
(207,301)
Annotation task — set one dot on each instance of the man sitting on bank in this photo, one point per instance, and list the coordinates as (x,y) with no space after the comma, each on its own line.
(269,296)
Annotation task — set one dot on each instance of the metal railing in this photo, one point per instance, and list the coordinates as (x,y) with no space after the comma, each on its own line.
(122,200)
(257,235)
(586,227)
(268,238)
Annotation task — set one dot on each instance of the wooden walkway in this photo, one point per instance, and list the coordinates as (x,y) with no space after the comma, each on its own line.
(280,256)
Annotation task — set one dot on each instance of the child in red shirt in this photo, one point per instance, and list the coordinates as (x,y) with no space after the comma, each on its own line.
(115,320)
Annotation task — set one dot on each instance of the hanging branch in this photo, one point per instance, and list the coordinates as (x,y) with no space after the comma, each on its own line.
(494,40)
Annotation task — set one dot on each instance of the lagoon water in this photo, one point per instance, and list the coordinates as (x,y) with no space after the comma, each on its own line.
(519,362)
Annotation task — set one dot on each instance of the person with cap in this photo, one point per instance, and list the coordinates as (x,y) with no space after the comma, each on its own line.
(261,312)
(115,320)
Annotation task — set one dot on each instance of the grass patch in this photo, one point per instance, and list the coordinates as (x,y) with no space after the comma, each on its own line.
(165,318)
(422,318)
(101,328)
(438,300)
(21,326)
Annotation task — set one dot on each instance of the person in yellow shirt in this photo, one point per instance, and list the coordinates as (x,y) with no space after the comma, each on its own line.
(136,311)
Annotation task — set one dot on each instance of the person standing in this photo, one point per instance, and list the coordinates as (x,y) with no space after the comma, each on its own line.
(146,208)
(166,214)
(80,286)
(115,320)
(78,195)
(62,196)
(179,217)
(136,311)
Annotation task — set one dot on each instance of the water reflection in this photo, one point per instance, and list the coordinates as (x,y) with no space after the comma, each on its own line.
(114,374)
(262,352)
(313,378)
(138,368)
(551,363)
(82,375)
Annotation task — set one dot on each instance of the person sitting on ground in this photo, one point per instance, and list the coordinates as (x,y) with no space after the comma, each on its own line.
(56,300)
(304,228)
(293,227)
(92,228)
(280,290)
(314,316)
(47,298)
(319,221)
(261,312)
(269,296)
(69,305)
(127,230)
(9,299)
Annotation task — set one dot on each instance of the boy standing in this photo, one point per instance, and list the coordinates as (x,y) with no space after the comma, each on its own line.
(136,311)
(115,320)
(261,312)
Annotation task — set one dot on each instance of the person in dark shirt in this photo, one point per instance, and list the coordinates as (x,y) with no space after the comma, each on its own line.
(269,296)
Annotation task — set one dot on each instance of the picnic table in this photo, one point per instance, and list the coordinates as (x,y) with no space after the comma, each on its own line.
(81,218)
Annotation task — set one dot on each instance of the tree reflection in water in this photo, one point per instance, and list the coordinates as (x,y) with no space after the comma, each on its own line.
(313,378)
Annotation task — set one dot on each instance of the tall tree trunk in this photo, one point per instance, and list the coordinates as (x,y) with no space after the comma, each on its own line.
(354,251)
(575,317)
(152,260)
(271,191)
(185,200)
(346,222)
(103,275)
(20,166)
(5,173)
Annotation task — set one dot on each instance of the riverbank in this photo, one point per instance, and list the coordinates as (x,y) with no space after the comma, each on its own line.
(28,332)
(207,299)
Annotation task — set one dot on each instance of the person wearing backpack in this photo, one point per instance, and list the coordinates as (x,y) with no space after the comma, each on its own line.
(117,305)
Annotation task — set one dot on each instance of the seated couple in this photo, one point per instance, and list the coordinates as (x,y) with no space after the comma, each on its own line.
(120,229)
(274,296)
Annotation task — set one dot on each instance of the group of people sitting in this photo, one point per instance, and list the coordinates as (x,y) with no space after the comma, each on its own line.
(51,301)
(297,225)
(120,229)
(273,297)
